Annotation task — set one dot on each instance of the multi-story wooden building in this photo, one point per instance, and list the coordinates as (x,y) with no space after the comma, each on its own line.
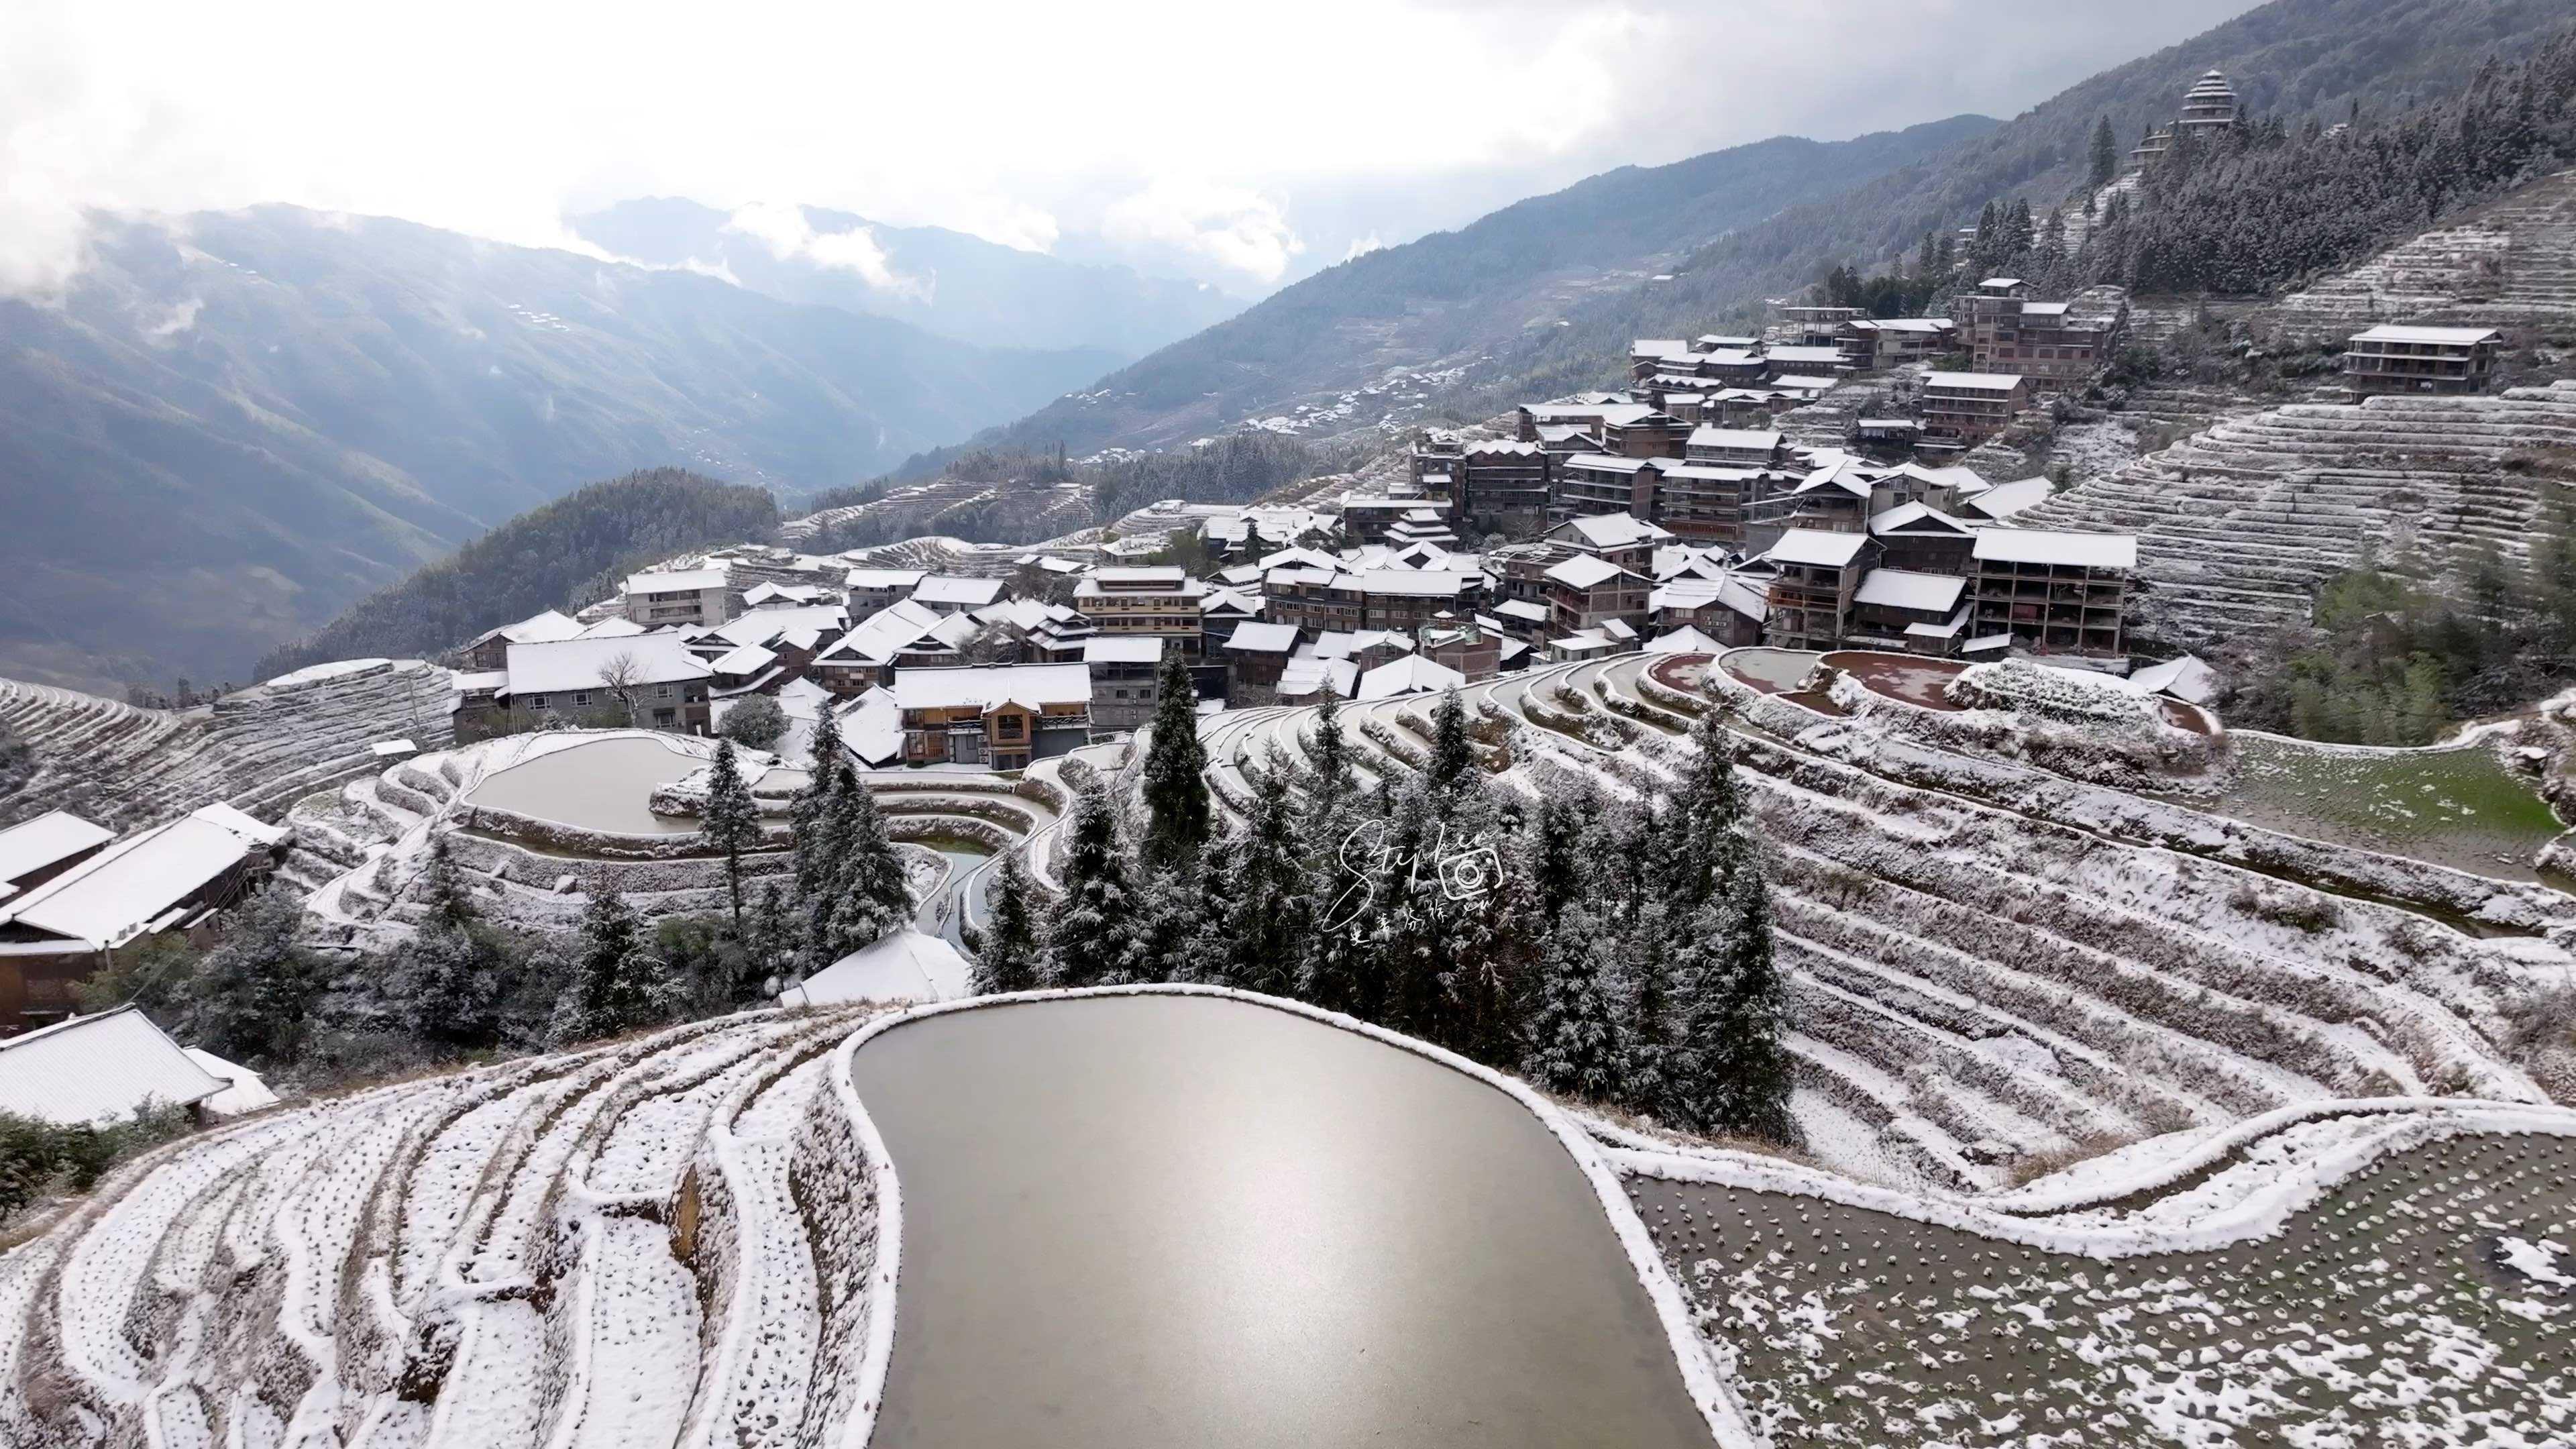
(2005,330)
(2060,593)
(1811,595)
(1733,447)
(1587,591)
(1126,678)
(1871,344)
(1600,483)
(689,597)
(644,681)
(1158,600)
(1501,487)
(999,716)
(1969,407)
(2401,359)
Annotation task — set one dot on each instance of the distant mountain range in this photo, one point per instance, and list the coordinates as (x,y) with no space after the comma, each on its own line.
(1396,313)
(236,423)
(945,282)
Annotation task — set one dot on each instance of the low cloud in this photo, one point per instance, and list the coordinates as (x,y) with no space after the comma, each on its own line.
(786,232)
(1234,226)
(179,319)
(1363,245)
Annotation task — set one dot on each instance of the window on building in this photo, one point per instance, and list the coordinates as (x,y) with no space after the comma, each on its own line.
(536,701)
(661,691)
(580,697)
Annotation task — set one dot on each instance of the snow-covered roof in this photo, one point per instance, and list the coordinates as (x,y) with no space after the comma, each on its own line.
(240,822)
(1745,439)
(1422,583)
(1522,609)
(763,626)
(2428,336)
(1684,640)
(2032,545)
(872,728)
(1906,589)
(574,664)
(613,627)
(1816,546)
(243,1092)
(1919,519)
(1799,354)
(1974,381)
(2043,309)
(2006,499)
(1806,382)
(1608,463)
(540,628)
(747,660)
(986,685)
(1585,571)
(885,633)
(903,965)
(1312,675)
(98,1068)
(2185,678)
(900,580)
(960,592)
(1251,638)
(1985,642)
(395,749)
(49,839)
(1613,530)
(1232,601)
(1123,649)
(675,581)
(119,893)
(1413,674)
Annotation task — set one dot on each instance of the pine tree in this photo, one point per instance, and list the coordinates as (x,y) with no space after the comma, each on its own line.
(1270,916)
(2106,153)
(1734,1071)
(447,982)
(1094,938)
(617,984)
(255,994)
(812,812)
(770,944)
(732,820)
(1176,798)
(1332,755)
(868,893)
(1646,1029)
(1575,1050)
(1708,813)
(1009,956)
(1452,756)
(1925,259)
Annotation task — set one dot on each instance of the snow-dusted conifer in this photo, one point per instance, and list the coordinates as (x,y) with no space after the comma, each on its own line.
(617,984)
(1574,1048)
(1646,1033)
(1272,914)
(732,820)
(1179,817)
(871,893)
(1094,938)
(1009,954)
(1453,756)
(1331,781)
(811,814)
(254,995)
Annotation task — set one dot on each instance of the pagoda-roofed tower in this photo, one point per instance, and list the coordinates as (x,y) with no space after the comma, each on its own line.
(2209,105)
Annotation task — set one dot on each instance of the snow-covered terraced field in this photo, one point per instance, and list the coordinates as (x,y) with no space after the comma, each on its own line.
(260,748)
(692,1238)
(2238,525)
(1990,964)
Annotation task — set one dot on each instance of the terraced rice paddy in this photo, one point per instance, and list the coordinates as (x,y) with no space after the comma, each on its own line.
(604,785)
(2389,1312)
(2457,807)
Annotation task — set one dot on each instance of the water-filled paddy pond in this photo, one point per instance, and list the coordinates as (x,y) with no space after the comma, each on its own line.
(1172,1221)
(604,784)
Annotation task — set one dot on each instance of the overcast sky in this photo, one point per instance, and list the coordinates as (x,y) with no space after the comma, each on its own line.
(1244,144)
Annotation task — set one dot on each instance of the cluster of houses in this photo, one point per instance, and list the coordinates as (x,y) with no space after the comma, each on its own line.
(74,893)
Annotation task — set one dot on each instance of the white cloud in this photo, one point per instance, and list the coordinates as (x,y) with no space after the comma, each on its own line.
(1167,114)
(783,228)
(179,319)
(1233,226)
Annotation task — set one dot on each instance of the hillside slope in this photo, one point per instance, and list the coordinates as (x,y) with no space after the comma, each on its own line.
(554,556)
(2298,59)
(945,282)
(1450,296)
(233,426)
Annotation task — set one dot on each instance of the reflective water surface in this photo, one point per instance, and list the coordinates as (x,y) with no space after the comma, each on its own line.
(597,785)
(1151,1221)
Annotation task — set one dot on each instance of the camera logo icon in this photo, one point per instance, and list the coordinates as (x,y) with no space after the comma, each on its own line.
(1470,874)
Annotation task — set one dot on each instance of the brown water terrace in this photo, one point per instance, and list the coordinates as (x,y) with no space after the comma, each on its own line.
(604,785)
(1173,1221)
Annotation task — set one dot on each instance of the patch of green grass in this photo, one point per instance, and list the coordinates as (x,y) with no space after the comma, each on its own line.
(2451,807)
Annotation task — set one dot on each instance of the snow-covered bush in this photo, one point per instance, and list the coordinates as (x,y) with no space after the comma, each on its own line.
(2065,695)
